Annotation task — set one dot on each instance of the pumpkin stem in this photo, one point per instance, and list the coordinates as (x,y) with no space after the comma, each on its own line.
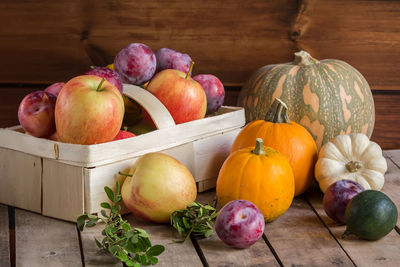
(353,166)
(303,58)
(259,149)
(277,112)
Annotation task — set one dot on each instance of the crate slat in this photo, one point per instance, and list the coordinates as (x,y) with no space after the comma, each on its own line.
(20,183)
(4,237)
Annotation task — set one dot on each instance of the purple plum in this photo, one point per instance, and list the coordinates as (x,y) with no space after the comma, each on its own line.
(55,88)
(337,196)
(135,63)
(239,224)
(214,89)
(108,74)
(170,59)
(36,113)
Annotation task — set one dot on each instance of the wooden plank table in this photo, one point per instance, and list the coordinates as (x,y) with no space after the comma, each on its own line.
(303,236)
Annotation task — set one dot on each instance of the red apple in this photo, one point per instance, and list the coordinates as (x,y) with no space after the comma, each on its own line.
(89,110)
(239,224)
(123,134)
(55,88)
(159,185)
(184,98)
(214,90)
(36,113)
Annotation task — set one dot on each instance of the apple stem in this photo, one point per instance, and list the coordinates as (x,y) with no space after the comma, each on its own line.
(100,84)
(144,86)
(125,174)
(190,69)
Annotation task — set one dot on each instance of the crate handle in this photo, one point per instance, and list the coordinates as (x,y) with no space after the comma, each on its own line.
(157,111)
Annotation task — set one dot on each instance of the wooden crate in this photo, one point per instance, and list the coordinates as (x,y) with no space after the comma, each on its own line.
(64,180)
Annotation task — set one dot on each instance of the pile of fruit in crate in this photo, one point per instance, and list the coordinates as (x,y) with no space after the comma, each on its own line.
(91,108)
(307,120)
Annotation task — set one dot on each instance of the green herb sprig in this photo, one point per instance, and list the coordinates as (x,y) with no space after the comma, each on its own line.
(131,246)
(196,219)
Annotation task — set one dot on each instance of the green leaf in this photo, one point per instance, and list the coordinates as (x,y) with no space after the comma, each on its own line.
(104,213)
(98,243)
(105,205)
(130,263)
(136,265)
(155,250)
(116,209)
(81,221)
(109,192)
(91,216)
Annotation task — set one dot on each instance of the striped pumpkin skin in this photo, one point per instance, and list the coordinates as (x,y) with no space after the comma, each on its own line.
(327,97)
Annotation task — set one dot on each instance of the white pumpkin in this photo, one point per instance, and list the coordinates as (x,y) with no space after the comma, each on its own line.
(353,157)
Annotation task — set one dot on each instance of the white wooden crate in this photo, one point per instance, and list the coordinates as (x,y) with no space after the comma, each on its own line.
(64,180)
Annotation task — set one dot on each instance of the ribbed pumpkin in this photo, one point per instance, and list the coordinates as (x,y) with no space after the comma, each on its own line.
(288,137)
(327,97)
(260,175)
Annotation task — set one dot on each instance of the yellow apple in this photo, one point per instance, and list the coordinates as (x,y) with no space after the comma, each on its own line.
(159,185)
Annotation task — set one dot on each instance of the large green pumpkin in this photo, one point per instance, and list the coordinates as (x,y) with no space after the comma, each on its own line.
(328,97)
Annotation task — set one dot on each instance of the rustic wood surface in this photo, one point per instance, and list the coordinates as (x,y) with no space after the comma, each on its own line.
(4,237)
(41,241)
(303,236)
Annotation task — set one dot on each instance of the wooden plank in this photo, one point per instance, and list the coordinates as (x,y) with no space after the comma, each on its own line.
(42,241)
(91,253)
(4,237)
(383,252)
(63,190)
(392,181)
(300,239)
(218,253)
(387,127)
(210,31)
(175,254)
(20,185)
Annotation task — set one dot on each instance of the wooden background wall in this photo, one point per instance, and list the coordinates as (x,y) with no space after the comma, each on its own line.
(46,41)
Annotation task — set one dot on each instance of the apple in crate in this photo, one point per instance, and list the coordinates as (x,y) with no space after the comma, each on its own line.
(184,98)
(55,88)
(239,224)
(123,135)
(214,90)
(89,110)
(36,113)
(157,186)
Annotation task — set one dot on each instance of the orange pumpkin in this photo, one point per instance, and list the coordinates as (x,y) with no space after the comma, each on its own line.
(260,175)
(288,137)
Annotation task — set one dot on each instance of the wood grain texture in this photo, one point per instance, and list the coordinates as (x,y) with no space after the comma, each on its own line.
(42,241)
(51,41)
(387,121)
(4,237)
(392,179)
(383,252)
(309,242)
